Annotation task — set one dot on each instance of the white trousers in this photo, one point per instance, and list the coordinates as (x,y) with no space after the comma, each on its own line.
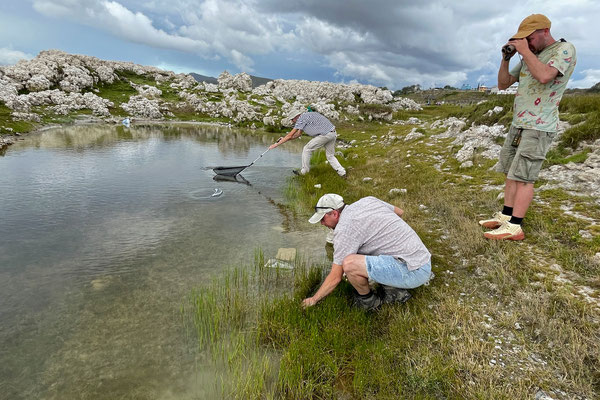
(328,142)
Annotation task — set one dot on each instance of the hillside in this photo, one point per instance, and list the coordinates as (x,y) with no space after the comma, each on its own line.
(56,87)
(256,80)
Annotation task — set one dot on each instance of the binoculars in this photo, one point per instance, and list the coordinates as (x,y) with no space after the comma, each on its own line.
(507,51)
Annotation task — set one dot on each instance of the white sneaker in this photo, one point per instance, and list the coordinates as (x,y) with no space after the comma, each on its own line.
(506,231)
(497,219)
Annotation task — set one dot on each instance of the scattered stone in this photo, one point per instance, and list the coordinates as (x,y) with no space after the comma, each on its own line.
(396,191)
(286,254)
(541,395)
(413,134)
(367,179)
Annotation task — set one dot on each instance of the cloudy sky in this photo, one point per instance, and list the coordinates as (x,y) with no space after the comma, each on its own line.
(392,43)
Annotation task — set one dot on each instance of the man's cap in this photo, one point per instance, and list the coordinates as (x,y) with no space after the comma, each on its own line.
(295,111)
(531,24)
(327,203)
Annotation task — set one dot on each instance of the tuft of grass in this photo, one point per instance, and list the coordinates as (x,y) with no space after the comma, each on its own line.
(560,155)
(589,130)
(580,104)
(8,122)
(480,115)
(118,92)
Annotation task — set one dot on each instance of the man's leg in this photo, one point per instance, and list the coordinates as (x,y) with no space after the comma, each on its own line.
(312,145)
(510,188)
(522,198)
(330,154)
(523,172)
(355,268)
(505,160)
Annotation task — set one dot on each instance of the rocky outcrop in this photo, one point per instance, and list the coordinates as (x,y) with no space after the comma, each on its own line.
(63,83)
(578,178)
(142,107)
(241,82)
(5,141)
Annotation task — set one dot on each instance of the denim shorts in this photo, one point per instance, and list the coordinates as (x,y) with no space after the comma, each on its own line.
(390,271)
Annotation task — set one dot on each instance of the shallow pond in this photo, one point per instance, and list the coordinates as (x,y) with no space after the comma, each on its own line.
(105,230)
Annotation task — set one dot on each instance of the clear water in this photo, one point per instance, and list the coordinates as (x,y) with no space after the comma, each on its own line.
(105,230)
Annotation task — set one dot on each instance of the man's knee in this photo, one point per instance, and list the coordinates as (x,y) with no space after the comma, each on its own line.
(353,264)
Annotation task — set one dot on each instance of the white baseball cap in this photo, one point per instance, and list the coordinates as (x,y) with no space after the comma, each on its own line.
(294,112)
(328,202)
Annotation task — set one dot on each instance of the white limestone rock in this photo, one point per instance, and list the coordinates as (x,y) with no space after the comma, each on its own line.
(402,103)
(24,116)
(139,106)
(147,91)
(38,83)
(269,121)
(453,126)
(75,79)
(413,134)
(241,82)
(494,110)
(106,74)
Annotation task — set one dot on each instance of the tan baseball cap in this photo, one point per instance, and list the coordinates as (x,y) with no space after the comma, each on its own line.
(531,24)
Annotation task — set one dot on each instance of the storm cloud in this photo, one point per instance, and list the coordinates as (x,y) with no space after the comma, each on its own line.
(382,42)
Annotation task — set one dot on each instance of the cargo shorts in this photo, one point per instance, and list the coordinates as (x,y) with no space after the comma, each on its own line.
(523,162)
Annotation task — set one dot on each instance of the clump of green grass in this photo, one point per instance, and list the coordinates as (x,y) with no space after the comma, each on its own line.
(479,114)
(580,104)
(560,155)
(118,92)
(8,122)
(589,130)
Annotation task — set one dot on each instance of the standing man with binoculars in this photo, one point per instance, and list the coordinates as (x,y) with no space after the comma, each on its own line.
(543,72)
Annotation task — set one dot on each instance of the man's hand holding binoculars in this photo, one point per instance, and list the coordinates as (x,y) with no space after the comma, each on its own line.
(513,46)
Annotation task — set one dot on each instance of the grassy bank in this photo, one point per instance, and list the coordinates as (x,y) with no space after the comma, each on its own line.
(500,320)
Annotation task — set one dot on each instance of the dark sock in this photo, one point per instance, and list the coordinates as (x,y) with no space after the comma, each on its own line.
(515,220)
(507,210)
(365,296)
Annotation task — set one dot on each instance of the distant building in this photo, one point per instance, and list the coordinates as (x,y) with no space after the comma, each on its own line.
(510,90)
(465,86)
(482,88)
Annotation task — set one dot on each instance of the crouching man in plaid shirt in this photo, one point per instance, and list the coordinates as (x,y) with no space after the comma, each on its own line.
(371,241)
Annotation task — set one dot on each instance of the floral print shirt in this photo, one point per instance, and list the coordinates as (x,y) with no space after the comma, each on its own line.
(536,104)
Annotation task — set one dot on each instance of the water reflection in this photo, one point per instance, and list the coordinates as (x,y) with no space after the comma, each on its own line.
(228,140)
(226,178)
(104,232)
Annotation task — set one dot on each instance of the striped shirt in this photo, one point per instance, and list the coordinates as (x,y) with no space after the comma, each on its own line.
(370,227)
(314,124)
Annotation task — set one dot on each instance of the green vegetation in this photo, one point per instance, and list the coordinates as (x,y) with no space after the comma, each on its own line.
(496,313)
(482,113)
(446,95)
(581,104)
(118,92)
(374,108)
(589,130)
(7,121)
(559,155)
